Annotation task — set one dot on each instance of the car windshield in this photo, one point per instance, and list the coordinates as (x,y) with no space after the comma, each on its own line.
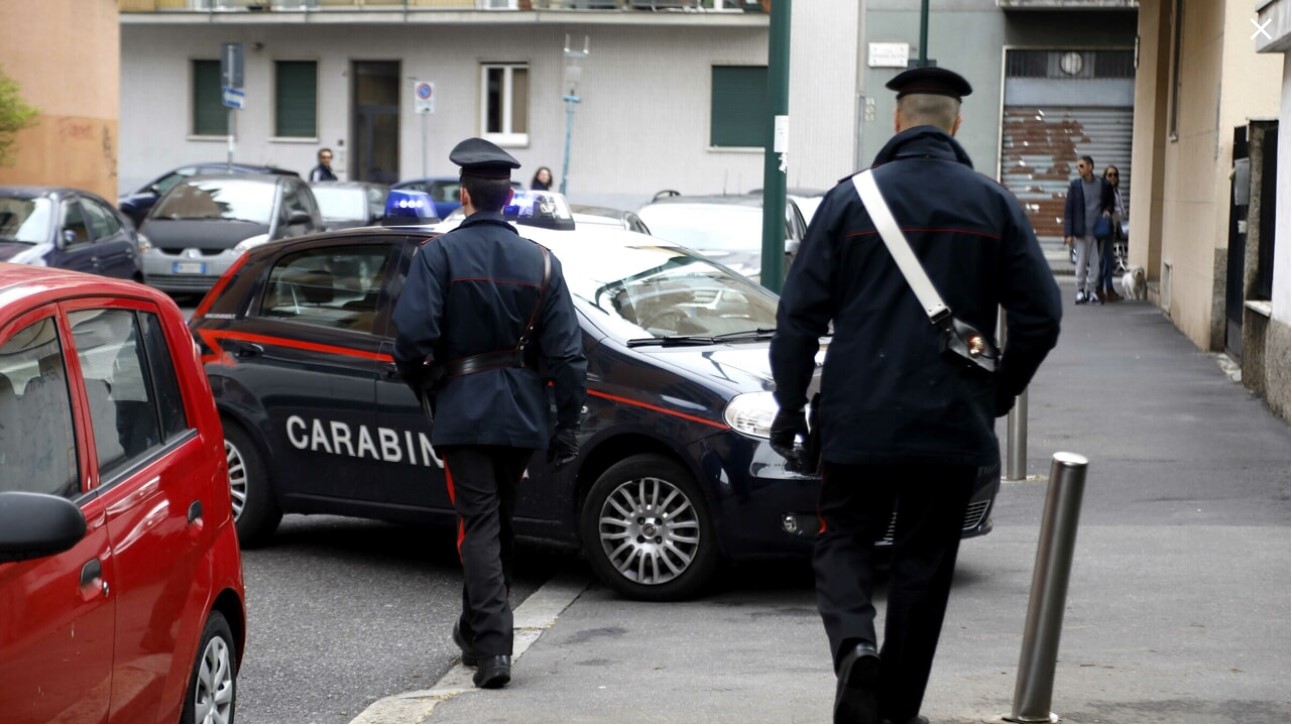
(341,202)
(728,227)
(658,292)
(24,219)
(244,200)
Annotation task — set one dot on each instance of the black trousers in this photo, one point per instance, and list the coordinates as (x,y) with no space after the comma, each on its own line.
(856,505)
(482,483)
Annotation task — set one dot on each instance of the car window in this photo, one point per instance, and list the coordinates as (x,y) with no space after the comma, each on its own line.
(74,222)
(341,203)
(123,412)
(103,222)
(25,220)
(230,198)
(444,191)
(376,202)
(334,287)
(175,177)
(170,403)
(293,201)
(37,440)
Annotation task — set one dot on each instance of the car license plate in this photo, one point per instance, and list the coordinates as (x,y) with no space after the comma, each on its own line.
(189,268)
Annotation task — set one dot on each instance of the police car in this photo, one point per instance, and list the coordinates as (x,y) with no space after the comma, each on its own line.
(675,473)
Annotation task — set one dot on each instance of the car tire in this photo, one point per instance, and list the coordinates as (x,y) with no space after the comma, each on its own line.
(647,532)
(212,695)
(255,511)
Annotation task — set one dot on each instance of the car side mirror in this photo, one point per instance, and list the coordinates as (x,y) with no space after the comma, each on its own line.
(68,238)
(154,189)
(299,217)
(37,525)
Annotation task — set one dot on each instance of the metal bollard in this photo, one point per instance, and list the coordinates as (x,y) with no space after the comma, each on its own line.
(1034,688)
(1016,441)
(1016,448)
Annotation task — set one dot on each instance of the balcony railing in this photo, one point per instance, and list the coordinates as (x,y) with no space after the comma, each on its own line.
(296,6)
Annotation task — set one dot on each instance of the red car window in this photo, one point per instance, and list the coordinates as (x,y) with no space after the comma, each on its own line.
(37,443)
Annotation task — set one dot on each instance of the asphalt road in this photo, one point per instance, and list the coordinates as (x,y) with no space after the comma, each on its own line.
(342,612)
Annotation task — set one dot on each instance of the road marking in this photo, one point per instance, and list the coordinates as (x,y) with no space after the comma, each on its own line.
(1260,28)
(534,616)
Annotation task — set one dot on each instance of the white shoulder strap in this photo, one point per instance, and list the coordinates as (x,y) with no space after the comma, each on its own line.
(898,247)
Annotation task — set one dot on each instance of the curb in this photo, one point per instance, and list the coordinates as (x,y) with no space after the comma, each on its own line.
(538,613)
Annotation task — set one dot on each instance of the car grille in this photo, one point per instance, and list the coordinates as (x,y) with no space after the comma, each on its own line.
(973,517)
(179,250)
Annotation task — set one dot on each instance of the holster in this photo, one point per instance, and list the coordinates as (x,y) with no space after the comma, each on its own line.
(966,346)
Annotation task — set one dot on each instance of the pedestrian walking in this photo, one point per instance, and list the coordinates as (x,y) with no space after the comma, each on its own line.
(484,322)
(542,180)
(1108,248)
(904,425)
(1089,199)
(323,170)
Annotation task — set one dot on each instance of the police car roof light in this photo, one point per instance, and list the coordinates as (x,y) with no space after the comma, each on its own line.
(408,206)
(539,209)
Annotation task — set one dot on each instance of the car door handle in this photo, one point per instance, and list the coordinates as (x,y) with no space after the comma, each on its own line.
(91,571)
(246,350)
(195,511)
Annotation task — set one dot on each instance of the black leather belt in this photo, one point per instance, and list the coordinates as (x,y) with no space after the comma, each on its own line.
(510,358)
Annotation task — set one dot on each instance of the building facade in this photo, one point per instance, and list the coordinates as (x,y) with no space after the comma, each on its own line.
(74,140)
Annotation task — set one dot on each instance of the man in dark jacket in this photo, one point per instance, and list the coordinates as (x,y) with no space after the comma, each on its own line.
(323,170)
(488,314)
(904,428)
(1089,198)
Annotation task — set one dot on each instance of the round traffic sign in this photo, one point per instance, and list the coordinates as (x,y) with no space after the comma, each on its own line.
(424,91)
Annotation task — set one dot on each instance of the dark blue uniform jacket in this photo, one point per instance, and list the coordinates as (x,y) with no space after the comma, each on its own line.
(888,396)
(1074,207)
(472,291)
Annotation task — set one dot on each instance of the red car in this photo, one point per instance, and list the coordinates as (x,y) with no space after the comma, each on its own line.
(121,595)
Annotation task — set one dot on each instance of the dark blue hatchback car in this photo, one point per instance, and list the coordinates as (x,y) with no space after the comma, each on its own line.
(675,473)
(67,228)
(136,204)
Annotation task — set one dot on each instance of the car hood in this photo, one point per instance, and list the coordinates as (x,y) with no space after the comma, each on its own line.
(202,234)
(20,252)
(739,366)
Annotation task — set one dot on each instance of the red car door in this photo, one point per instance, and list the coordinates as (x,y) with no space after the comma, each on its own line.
(57,613)
(153,471)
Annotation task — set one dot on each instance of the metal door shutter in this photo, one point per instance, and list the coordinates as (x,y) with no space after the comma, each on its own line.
(1040,148)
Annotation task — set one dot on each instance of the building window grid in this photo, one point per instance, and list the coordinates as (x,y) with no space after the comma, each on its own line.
(209,117)
(1048,64)
(504,103)
(295,99)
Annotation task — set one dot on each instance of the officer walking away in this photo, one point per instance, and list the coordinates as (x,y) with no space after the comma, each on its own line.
(904,427)
(488,314)
(323,171)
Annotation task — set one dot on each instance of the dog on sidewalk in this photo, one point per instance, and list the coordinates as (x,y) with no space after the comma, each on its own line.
(1135,283)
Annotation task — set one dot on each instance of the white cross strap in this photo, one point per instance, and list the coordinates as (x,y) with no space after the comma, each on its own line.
(898,247)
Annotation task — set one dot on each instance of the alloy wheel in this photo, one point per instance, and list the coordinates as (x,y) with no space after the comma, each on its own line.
(237,478)
(213,697)
(649,530)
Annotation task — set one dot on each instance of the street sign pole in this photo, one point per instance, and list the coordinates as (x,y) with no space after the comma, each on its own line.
(777,147)
(231,64)
(424,144)
(230,128)
(573,73)
(424,105)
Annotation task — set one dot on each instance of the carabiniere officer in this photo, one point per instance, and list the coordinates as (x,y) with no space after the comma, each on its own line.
(485,322)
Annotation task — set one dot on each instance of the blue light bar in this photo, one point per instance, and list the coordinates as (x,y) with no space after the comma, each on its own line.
(408,206)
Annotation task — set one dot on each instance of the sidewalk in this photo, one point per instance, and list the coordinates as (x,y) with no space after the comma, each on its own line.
(1178,607)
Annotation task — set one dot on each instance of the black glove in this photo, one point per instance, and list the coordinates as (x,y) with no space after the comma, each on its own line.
(786,427)
(1004,402)
(563,447)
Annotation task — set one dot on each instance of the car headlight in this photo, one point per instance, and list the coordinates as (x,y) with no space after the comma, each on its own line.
(751,414)
(145,245)
(250,242)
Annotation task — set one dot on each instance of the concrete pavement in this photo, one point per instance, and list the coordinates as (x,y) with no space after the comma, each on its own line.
(1178,607)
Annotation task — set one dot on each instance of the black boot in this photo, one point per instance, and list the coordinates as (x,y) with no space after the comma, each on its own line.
(494,671)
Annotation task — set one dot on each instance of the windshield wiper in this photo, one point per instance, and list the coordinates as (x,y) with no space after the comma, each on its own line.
(667,340)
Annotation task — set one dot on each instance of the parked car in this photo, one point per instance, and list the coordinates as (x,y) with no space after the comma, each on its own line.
(136,204)
(67,228)
(806,199)
(204,224)
(674,443)
(349,204)
(618,218)
(443,191)
(121,589)
(726,228)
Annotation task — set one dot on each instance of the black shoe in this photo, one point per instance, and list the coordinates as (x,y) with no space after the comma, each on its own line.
(917,719)
(469,657)
(494,671)
(855,698)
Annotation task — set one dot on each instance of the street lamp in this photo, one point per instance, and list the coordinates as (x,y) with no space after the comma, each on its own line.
(573,73)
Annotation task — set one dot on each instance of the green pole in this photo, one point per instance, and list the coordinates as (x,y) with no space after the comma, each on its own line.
(778,99)
(924,33)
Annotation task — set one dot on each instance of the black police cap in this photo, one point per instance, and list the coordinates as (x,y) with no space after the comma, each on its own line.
(478,157)
(931,80)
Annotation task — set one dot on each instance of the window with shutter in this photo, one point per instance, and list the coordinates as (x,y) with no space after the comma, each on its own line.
(739,106)
(210,117)
(295,99)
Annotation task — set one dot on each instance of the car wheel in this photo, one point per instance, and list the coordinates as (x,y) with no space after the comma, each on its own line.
(647,532)
(213,686)
(255,512)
